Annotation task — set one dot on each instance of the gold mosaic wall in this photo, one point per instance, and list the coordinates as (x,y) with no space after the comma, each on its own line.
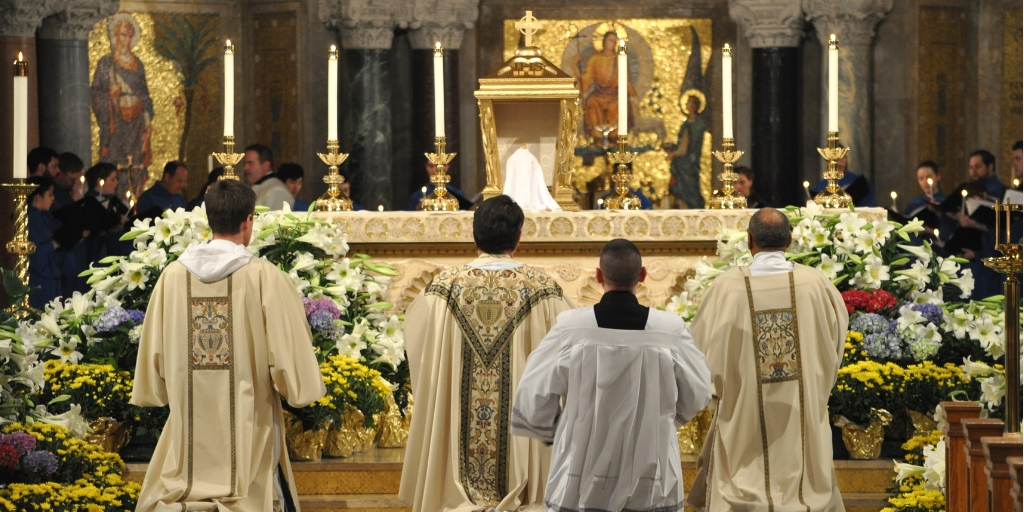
(276,102)
(1013,92)
(942,71)
(157,35)
(663,48)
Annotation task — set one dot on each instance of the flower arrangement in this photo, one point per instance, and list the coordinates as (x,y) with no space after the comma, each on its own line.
(21,461)
(349,384)
(919,488)
(866,385)
(79,477)
(101,390)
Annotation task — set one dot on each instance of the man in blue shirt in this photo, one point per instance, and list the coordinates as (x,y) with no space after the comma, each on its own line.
(867,200)
(982,169)
(166,193)
(416,199)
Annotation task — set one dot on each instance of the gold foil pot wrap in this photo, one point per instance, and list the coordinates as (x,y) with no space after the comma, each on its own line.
(109,434)
(864,443)
(305,445)
(392,428)
(923,425)
(693,433)
(349,437)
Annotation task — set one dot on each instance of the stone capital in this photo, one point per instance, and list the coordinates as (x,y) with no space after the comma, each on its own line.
(21,18)
(768,23)
(852,21)
(77,19)
(441,20)
(366,24)
(424,37)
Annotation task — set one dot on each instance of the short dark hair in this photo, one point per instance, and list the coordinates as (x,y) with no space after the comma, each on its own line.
(769,229)
(496,225)
(43,183)
(100,171)
(621,263)
(746,171)
(172,167)
(228,204)
(929,164)
(262,152)
(69,163)
(1018,145)
(290,171)
(986,157)
(41,155)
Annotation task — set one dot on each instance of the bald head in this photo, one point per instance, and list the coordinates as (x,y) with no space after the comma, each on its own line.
(621,267)
(769,229)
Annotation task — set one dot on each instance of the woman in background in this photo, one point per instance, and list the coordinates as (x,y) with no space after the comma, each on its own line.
(44,264)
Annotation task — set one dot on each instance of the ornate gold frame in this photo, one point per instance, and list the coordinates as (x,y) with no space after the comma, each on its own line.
(529,77)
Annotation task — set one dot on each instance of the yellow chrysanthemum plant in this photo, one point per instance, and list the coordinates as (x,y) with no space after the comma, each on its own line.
(919,482)
(350,386)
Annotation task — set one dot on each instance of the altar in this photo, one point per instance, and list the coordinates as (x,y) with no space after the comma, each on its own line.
(566,245)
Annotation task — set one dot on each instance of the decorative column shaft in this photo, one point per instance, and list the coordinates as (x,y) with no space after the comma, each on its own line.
(63,46)
(773,29)
(853,22)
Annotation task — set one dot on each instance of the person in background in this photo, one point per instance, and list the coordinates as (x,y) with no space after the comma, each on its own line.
(346,190)
(165,194)
(1018,164)
(43,161)
(745,186)
(210,180)
(69,184)
(932,194)
(293,175)
(102,181)
(45,264)
(416,199)
(259,172)
(848,177)
(982,169)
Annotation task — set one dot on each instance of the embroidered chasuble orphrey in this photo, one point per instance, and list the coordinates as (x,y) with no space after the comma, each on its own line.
(774,344)
(468,336)
(222,354)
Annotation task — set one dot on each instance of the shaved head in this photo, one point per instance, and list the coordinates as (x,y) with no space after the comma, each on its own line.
(621,264)
(769,229)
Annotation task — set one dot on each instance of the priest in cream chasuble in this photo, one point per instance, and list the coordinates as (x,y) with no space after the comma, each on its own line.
(467,336)
(225,338)
(773,334)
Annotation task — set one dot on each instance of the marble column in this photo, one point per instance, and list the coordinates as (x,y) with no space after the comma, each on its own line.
(773,29)
(853,22)
(422,40)
(63,48)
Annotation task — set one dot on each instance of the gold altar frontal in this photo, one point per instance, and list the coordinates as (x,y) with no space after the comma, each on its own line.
(566,245)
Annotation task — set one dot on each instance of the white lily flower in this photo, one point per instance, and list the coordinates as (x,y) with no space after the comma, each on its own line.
(904,471)
(67,351)
(935,466)
(958,321)
(917,275)
(919,252)
(830,266)
(874,273)
(993,389)
(80,304)
(851,222)
(812,209)
(974,369)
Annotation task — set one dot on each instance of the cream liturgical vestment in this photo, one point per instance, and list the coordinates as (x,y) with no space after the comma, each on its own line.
(467,336)
(774,342)
(225,338)
(625,393)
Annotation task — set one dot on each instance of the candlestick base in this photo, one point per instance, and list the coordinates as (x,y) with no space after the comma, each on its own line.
(624,198)
(229,158)
(20,245)
(729,198)
(833,196)
(440,200)
(333,200)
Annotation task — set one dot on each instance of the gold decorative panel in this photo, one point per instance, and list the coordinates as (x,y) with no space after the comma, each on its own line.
(942,75)
(276,84)
(668,62)
(1013,91)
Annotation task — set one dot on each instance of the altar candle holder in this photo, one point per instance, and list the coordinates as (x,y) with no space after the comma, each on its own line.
(624,198)
(20,245)
(833,196)
(333,200)
(729,198)
(229,158)
(440,200)
(1010,264)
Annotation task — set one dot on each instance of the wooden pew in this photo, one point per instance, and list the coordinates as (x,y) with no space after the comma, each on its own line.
(956,457)
(997,471)
(1016,467)
(977,482)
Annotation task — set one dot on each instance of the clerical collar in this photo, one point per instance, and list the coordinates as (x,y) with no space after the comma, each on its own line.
(770,262)
(619,296)
(495,262)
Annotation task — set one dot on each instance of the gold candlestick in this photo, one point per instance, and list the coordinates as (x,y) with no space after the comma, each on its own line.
(20,245)
(229,158)
(440,200)
(333,200)
(833,196)
(1010,264)
(729,198)
(624,198)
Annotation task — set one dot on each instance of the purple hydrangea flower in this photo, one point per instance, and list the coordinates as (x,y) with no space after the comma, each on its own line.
(321,320)
(40,463)
(22,442)
(111,318)
(321,313)
(136,316)
(870,323)
(930,311)
(884,345)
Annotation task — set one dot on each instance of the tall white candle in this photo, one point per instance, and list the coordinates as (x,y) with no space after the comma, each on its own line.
(332,93)
(727,92)
(833,84)
(229,89)
(623,89)
(438,90)
(20,149)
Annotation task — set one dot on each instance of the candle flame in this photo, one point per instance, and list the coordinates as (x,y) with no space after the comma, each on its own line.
(424,190)
(930,182)
(128,193)
(380,208)
(963,193)
(227,43)
(82,179)
(936,231)
(600,202)
(102,182)
(807,184)
(892,194)
(1016,182)
(334,48)
(726,46)
(20,57)
(832,38)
